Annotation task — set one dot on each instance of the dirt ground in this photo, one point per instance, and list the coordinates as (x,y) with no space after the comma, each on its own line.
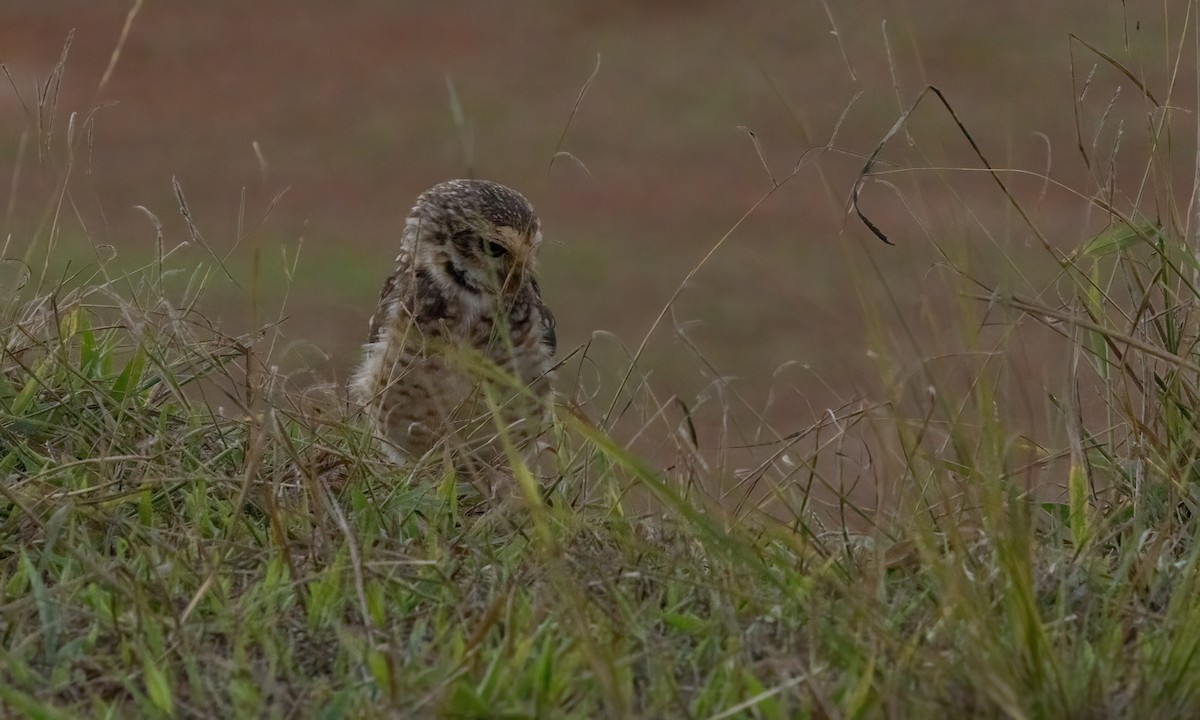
(352,105)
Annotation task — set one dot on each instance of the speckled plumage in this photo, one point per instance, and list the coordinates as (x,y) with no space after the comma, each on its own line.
(462,303)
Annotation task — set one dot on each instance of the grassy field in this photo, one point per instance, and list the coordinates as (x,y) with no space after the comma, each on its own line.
(350,105)
(187,531)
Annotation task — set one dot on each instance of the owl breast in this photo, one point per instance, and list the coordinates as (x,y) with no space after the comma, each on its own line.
(439,373)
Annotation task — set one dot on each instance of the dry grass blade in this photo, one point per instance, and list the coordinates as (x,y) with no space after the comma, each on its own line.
(865,173)
(116,53)
(562,138)
(194,231)
(762,158)
(1118,66)
(833,29)
(466,134)
(1042,312)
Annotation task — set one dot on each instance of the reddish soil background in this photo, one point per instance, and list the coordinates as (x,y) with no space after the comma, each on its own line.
(350,104)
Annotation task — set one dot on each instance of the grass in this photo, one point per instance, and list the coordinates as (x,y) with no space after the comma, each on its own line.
(174,543)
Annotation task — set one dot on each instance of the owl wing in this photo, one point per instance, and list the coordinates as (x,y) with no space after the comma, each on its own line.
(549,336)
(549,324)
(413,293)
(393,290)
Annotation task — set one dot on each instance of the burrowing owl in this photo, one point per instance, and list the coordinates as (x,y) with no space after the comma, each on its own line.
(461,330)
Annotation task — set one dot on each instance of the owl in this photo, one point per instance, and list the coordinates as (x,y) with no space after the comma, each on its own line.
(461,348)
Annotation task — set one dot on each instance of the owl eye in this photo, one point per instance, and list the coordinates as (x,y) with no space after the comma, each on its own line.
(494,249)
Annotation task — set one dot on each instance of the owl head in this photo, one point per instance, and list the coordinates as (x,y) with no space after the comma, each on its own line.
(474,236)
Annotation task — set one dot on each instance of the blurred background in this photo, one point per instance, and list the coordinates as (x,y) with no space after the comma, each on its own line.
(693,112)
